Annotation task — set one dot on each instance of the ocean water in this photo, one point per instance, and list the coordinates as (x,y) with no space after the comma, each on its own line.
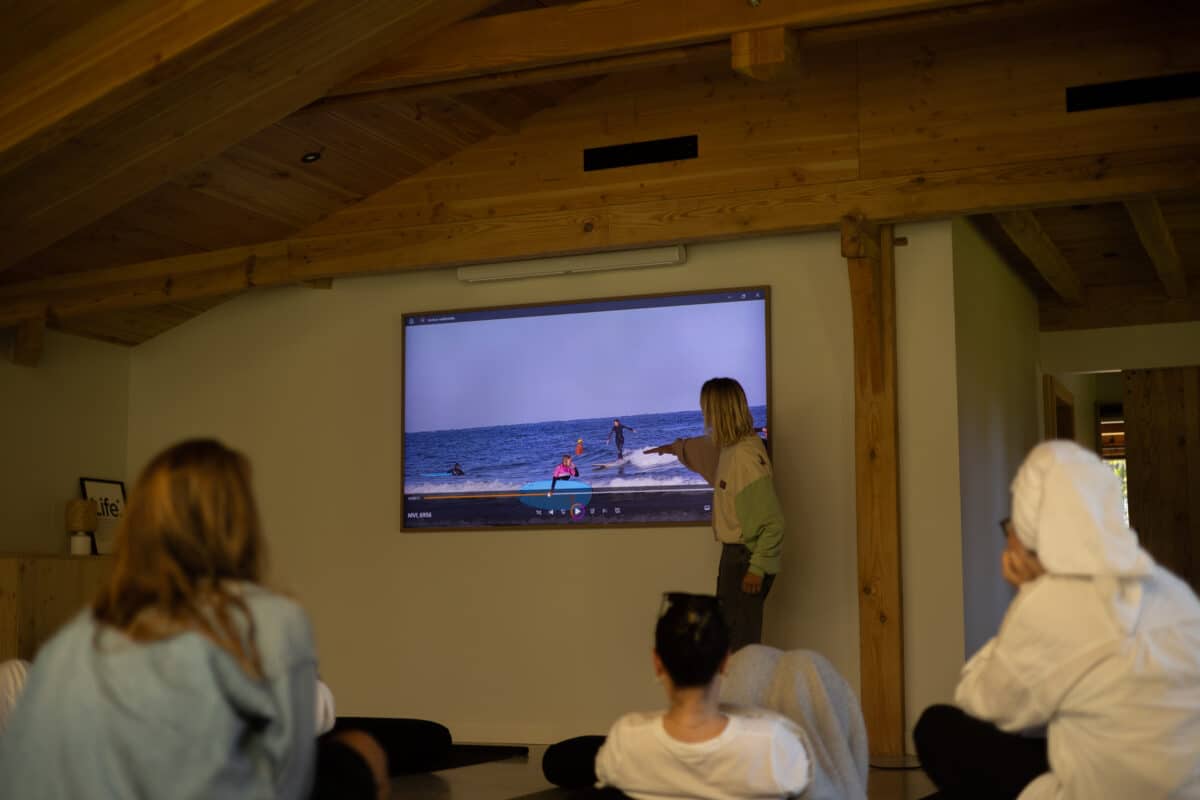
(506,457)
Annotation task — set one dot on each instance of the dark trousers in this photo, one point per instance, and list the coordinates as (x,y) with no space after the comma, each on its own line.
(966,757)
(412,745)
(743,612)
(571,764)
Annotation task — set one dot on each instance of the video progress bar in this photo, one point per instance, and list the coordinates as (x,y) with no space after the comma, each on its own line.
(560,492)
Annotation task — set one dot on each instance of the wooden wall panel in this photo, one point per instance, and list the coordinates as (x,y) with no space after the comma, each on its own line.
(38,594)
(10,583)
(1162,435)
(944,100)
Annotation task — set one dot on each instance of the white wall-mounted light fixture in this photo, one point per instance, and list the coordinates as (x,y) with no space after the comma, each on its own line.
(570,265)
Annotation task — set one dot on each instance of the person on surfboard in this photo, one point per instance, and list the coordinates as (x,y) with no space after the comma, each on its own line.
(457,469)
(618,430)
(563,472)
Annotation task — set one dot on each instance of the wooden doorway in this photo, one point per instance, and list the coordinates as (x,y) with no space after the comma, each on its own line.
(1162,446)
(1059,407)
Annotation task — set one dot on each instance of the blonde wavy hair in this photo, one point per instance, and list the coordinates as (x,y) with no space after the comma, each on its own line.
(726,412)
(190,533)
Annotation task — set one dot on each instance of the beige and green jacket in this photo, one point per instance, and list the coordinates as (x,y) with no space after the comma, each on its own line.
(745,506)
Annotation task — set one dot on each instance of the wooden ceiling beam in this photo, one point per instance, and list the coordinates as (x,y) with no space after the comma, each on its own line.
(1119,305)
(1027,234)
(713,52)
(600,29)
(707,217)
(1156,237)
(185,116)
(766,54)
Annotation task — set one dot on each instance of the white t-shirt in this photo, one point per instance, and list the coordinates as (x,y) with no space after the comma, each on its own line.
(758,755)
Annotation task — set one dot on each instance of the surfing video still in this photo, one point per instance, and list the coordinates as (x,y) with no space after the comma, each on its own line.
(540,415)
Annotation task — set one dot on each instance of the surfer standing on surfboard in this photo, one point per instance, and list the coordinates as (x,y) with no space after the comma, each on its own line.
(618,430)
(563,472)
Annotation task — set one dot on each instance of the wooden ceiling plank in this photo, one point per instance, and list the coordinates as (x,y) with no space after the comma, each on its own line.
(764,55)
(203,221)
(1027,234)
(606,28)
(359,142)
(113,60)
(1156,237)
(714,216)
(208,109)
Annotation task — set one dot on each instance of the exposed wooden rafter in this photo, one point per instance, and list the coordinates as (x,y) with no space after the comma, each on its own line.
(1156,237)
(1121,304)
(160,122)
(600,29)
(1027,234)
(683,219)
(613,65)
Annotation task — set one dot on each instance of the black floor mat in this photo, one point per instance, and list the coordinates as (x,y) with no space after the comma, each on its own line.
(464,755)
(415,745)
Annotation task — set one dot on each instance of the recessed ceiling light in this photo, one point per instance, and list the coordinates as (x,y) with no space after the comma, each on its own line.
(309,158)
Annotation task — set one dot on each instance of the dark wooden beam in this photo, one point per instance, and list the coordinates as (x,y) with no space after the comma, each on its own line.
(705,217)
(606,28)
(1121,305)
(766,54)
(870,260)
(1029,237)
(614,65)
(1160,245)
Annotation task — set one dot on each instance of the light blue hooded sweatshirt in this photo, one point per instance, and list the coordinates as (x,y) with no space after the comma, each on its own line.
(106,717)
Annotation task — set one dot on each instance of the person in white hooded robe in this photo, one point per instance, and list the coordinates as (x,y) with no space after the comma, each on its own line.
(1100,648)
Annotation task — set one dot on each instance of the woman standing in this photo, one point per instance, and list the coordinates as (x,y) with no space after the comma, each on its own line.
(747,519)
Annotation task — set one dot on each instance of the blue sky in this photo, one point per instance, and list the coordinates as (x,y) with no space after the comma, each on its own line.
(571,366)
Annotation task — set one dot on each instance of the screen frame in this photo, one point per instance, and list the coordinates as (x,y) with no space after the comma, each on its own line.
(765,289)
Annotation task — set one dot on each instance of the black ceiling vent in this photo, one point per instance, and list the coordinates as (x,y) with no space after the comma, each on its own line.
(655,151)
(1137,91)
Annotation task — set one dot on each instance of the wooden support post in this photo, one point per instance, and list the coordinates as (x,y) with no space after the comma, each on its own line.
(765,54)
(869,256)
(28,341)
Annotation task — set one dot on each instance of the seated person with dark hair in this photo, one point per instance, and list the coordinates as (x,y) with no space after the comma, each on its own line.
(696,748)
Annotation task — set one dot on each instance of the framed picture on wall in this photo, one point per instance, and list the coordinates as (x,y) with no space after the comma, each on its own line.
(110,499)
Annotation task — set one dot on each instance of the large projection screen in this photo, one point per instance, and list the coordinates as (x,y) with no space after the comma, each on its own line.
(494,399)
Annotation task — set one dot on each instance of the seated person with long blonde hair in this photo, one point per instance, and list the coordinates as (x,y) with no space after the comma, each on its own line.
(186,678)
